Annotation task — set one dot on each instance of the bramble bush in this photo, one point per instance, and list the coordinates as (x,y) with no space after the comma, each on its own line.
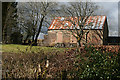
(100,65)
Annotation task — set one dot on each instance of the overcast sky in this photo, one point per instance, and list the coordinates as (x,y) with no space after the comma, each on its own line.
(110,9)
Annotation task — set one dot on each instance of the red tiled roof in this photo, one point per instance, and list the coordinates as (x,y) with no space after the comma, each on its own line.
(61,22)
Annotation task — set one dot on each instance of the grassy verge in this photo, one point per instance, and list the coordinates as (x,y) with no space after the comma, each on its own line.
(14,48)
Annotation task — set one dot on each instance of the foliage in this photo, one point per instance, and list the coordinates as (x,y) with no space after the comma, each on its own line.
(16,38)
(101,65)
(9,20)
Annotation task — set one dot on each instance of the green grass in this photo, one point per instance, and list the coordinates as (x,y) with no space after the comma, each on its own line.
(14,48)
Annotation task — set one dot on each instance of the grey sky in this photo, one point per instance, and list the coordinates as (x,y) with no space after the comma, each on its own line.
(110,9)
(118,19)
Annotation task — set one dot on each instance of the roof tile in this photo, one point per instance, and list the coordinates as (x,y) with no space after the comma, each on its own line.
(60,23)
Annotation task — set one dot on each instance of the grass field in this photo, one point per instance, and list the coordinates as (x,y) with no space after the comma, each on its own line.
(14,48)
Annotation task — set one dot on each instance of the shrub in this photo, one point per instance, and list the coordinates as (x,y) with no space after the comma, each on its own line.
(101,65)
(16,38)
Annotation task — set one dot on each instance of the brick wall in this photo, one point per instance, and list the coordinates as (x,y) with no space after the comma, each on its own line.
(65,36)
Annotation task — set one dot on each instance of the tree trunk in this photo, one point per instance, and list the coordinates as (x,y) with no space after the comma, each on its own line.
(40,26)
(33,38)
(4,35)
(86,37)
(78,44)
(26,39)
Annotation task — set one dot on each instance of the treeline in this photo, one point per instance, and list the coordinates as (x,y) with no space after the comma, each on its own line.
(10,32)
(23,22)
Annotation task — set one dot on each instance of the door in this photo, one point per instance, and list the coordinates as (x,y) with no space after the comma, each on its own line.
(59,37)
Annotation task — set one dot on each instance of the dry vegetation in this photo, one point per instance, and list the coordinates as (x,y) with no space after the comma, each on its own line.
(25,65)
(66,64)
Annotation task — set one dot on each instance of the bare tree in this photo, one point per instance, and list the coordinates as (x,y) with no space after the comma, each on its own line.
(33,16)
(77,14)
